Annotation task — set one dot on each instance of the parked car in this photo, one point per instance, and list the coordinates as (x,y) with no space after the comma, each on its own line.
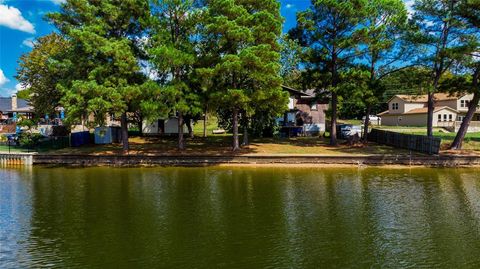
(346,130)
(373,119)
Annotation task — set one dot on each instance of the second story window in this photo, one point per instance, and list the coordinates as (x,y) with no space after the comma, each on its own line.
(464,103)
(394,106)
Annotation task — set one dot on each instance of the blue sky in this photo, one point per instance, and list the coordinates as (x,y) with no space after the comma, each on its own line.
(21,21)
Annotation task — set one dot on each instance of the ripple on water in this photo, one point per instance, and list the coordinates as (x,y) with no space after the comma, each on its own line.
(239,218)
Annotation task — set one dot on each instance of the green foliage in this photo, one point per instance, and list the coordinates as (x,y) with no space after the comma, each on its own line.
(290,59)
(29,140)
(172,54)
(442,36)
(246,70)
(103,70)
(40,70)
(26,123)
(24,94)
(383,23)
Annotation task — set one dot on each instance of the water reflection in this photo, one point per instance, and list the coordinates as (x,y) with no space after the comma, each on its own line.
(239,218)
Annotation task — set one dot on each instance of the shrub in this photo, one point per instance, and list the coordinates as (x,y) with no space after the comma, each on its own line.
(29,140)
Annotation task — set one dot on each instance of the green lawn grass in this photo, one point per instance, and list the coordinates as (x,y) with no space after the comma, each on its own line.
(212,124)
(471,142)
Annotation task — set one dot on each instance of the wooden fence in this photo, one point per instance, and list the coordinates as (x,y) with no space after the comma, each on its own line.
(420,143)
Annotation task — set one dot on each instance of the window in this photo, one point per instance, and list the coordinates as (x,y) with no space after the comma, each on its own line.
(460,118)
(394,106)
(444,117)
(464,103)
(313,106)
(450,117)
(439,117)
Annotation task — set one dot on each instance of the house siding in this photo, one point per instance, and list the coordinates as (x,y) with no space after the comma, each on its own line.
(417,119)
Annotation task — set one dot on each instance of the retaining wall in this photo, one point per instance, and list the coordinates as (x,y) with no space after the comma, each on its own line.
(16,159)
(142,160)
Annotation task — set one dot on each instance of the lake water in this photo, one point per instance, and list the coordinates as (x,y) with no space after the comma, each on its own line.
(218,217)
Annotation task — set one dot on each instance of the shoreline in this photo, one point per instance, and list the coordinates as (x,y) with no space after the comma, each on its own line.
(267,160)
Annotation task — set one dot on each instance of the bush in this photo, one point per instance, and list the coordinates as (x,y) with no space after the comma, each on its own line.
(29,140)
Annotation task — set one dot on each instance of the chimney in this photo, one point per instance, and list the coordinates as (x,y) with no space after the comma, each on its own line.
(14,102)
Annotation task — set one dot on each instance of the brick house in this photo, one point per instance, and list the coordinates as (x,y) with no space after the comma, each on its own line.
(306,112)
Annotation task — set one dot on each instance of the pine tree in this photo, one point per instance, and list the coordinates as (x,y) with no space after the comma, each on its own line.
(172,53)
(329,31)
(469,11)
(246,70)
(105,75)
(381,31)
(441,32)
(41,70)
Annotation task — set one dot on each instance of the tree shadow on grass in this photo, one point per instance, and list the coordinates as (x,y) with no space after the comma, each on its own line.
(222,146)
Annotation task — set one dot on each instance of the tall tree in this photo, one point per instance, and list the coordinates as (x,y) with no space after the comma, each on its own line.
(172,52)
(40,71)
(290,60)
(329,32)
(104,57)
(440,33)
(381,29)
(469,10)
(246,73)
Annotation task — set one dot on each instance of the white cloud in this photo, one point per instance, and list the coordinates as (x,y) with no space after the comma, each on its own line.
(20,87)
(28,42)
(58,2)
(3,78)
(12,18)
(288,6)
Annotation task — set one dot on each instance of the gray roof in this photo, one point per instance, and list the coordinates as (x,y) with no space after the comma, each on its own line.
(307,94)
(6,103)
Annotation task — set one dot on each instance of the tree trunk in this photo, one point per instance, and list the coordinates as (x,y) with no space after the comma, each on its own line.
(188,122)
(333,122)
(124,129)
(236,145)
(181,140)
(431,107)
(472,108)
(245,134)
(366,123)
(205,122)
(140,126)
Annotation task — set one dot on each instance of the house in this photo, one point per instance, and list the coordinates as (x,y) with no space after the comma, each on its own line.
(162,127)
(305,114)
(11,107)
(411,110)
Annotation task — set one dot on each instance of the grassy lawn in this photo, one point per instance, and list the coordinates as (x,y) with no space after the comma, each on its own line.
(471,142)
(212,124)
(4,148)
(354,122)
(221,145)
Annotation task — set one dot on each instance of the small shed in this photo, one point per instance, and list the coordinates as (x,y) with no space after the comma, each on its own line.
(108,135)
(162,127)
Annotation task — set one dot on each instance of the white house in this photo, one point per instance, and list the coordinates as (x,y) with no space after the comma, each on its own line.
(411,110)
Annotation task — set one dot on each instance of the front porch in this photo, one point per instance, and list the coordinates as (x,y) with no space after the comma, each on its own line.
(454,126)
